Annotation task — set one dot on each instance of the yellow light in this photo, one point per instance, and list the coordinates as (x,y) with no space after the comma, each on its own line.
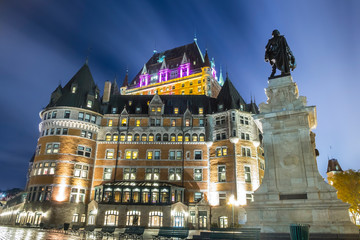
(232,201)
(61,193)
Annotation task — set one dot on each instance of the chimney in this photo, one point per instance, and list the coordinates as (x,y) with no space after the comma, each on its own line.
(107,89)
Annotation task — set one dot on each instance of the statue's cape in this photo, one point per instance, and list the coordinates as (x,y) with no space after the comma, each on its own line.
(278,49)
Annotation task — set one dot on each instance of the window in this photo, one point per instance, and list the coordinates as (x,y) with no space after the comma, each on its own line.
(244,120)
(137,122)
(93,119)
(143,137)
(129,138)
(198,155)
(65,131)
(179,219)
(111,218)
(194,137)
(166,137)
(198,174)
(221,151)
(67,114)
(172,137)
(245,136)
(73,89)
(46,168)
(129,173)
(83,151)
(192,217)
(180,137)
(53,115)
(89,103)
(197,196)
(81,171)
(87,117)
(153,154)
(52,148)
(113,110)
(247,174)
(110,122)
(201,137)
(108,137)
(201,122)
(107,173)
(175,174)
(175,155)
(77,195)
(173,122)
(124,122)
(176,110)
(201,110)
(158,137)
(222,199)
(83,218)
(136,137)
(223,222)
(249,198)
(115,137)
(152,174)
(158,109)
(38,148)
(75,218)
(246,152)
(133,218)
(221,173)
(131,154)
(223,135)
(122,137)
(109,154)
(187,137)
(187,122)
(155,219)
(151,137)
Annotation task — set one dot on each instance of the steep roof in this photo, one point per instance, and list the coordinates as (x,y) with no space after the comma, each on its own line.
(206,60)
(85,90)
(114,88)
(125,82)
(173,58)
(229,96)
(333,166)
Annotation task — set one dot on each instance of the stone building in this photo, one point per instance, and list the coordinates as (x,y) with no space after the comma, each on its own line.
(170,148)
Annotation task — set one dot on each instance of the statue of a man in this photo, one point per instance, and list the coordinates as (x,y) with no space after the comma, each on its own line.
(278,53)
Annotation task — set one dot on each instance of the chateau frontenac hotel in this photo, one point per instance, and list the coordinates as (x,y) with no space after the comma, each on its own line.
(176,146)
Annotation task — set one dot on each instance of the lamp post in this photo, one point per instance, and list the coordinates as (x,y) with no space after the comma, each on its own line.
(233,202)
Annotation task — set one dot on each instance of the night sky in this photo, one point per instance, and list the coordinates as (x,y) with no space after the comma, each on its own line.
(44,43)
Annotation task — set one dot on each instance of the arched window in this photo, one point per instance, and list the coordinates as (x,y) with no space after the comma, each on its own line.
(151,137)
(108,137)
(155,219)
(129,137)
(143,137)
(133,218)
(179,137)
(137,137)
(158,137)
(172,137)
(194,137)
(111,218)
(202,137)
(166,137)
(187,137)
(115,137)
(122,137)
(178,219)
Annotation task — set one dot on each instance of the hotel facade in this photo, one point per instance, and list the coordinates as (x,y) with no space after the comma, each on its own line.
(176,146)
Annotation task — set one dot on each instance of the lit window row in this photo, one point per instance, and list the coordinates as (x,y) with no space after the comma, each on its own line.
(39,194)
(52,148)
(157,137)
(86,117)
(175,174)
(55,131)
(77,195)
(133,218)
(86,134)
(45,168)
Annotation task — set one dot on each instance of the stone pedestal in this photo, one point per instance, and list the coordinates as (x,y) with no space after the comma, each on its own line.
(293,190)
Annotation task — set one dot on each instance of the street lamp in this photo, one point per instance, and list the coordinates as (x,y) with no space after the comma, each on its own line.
(233,202)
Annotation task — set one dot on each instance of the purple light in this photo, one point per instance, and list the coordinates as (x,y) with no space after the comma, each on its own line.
(144,79)
(184,69)
(164,74)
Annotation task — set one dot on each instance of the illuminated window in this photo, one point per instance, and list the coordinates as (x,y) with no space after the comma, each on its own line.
(178,219)
(172,137)
(173,122)
(221,174)
(175,174)
(109,154)
(77,195)
(149,155)
(136,137)
(89,104)
(187,122)
(122,137)
(143,137)
(199,89)
(249,198)
(75,218)
(201,137)
(151,137)
(131,154)
(133,218)
(113,110)
(152,174)
(247,174)
(176,110)
(52,148)
(187,137)
(129,173)
(153,109)
(111,218)
(180,137)
(130,103)
(115,137)
(110,122)
(221,151)
(107,173)
(124,122)
(155,219)
(201,110)
(73,89)
(194,137)
(137,122)
(223,222)
(198,174)
(129,138)
(108,137)
(81,171)
(197,197)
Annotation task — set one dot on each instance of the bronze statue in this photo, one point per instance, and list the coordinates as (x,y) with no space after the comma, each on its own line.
(278,53)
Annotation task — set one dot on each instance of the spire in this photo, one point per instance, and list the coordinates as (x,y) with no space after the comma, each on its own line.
(195,38)
(163,65)
(125,82)
(114,87)
(144,70)
(184,59)
(206,60)
(221,79)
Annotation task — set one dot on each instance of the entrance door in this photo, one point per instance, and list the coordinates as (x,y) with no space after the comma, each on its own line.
(202,219)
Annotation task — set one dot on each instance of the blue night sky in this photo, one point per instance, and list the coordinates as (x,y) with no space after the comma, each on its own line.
(44,43)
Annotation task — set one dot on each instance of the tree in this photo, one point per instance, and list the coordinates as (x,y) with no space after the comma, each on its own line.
(347,184)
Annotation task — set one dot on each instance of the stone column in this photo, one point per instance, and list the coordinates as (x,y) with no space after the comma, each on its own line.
(293,190)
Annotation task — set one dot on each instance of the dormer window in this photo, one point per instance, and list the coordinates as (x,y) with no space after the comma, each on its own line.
(96,95)
(113,110)
(220,107)
(201,110)
(176,110)
(89,104)
(137,109)
(159,109)
(187,122)
(130,103)
(73,89)
(123,122)
(153,109)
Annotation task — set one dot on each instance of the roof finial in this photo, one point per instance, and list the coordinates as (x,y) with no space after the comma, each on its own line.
(155,51)
(195,38)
